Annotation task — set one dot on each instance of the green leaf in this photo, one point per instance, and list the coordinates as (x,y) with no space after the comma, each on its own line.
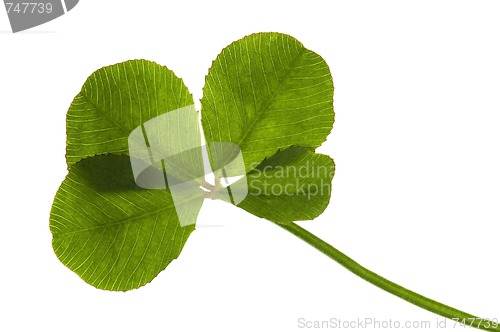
(267,92)
(113,234)
(114,101)
(294,184)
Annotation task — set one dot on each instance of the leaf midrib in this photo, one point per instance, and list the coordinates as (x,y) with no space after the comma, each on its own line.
(259,117)
(121,222)
(263,109)
(105,114)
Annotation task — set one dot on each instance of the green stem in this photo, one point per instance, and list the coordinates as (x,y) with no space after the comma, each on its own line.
(387,285)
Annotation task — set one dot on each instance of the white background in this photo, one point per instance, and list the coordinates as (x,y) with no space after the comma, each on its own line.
(415,197)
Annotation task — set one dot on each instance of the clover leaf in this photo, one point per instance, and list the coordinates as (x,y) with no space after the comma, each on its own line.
(294,184)
(137,164)
(114,101)
(113,234)
(266,92)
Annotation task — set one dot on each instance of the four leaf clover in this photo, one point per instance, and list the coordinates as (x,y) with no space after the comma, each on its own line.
(266,94)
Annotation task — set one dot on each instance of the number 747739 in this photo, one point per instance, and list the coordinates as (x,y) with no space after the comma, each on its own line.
(29,7)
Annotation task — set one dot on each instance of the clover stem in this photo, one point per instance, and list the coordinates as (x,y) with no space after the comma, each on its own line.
(207,185)
(218,180)
(387,285)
